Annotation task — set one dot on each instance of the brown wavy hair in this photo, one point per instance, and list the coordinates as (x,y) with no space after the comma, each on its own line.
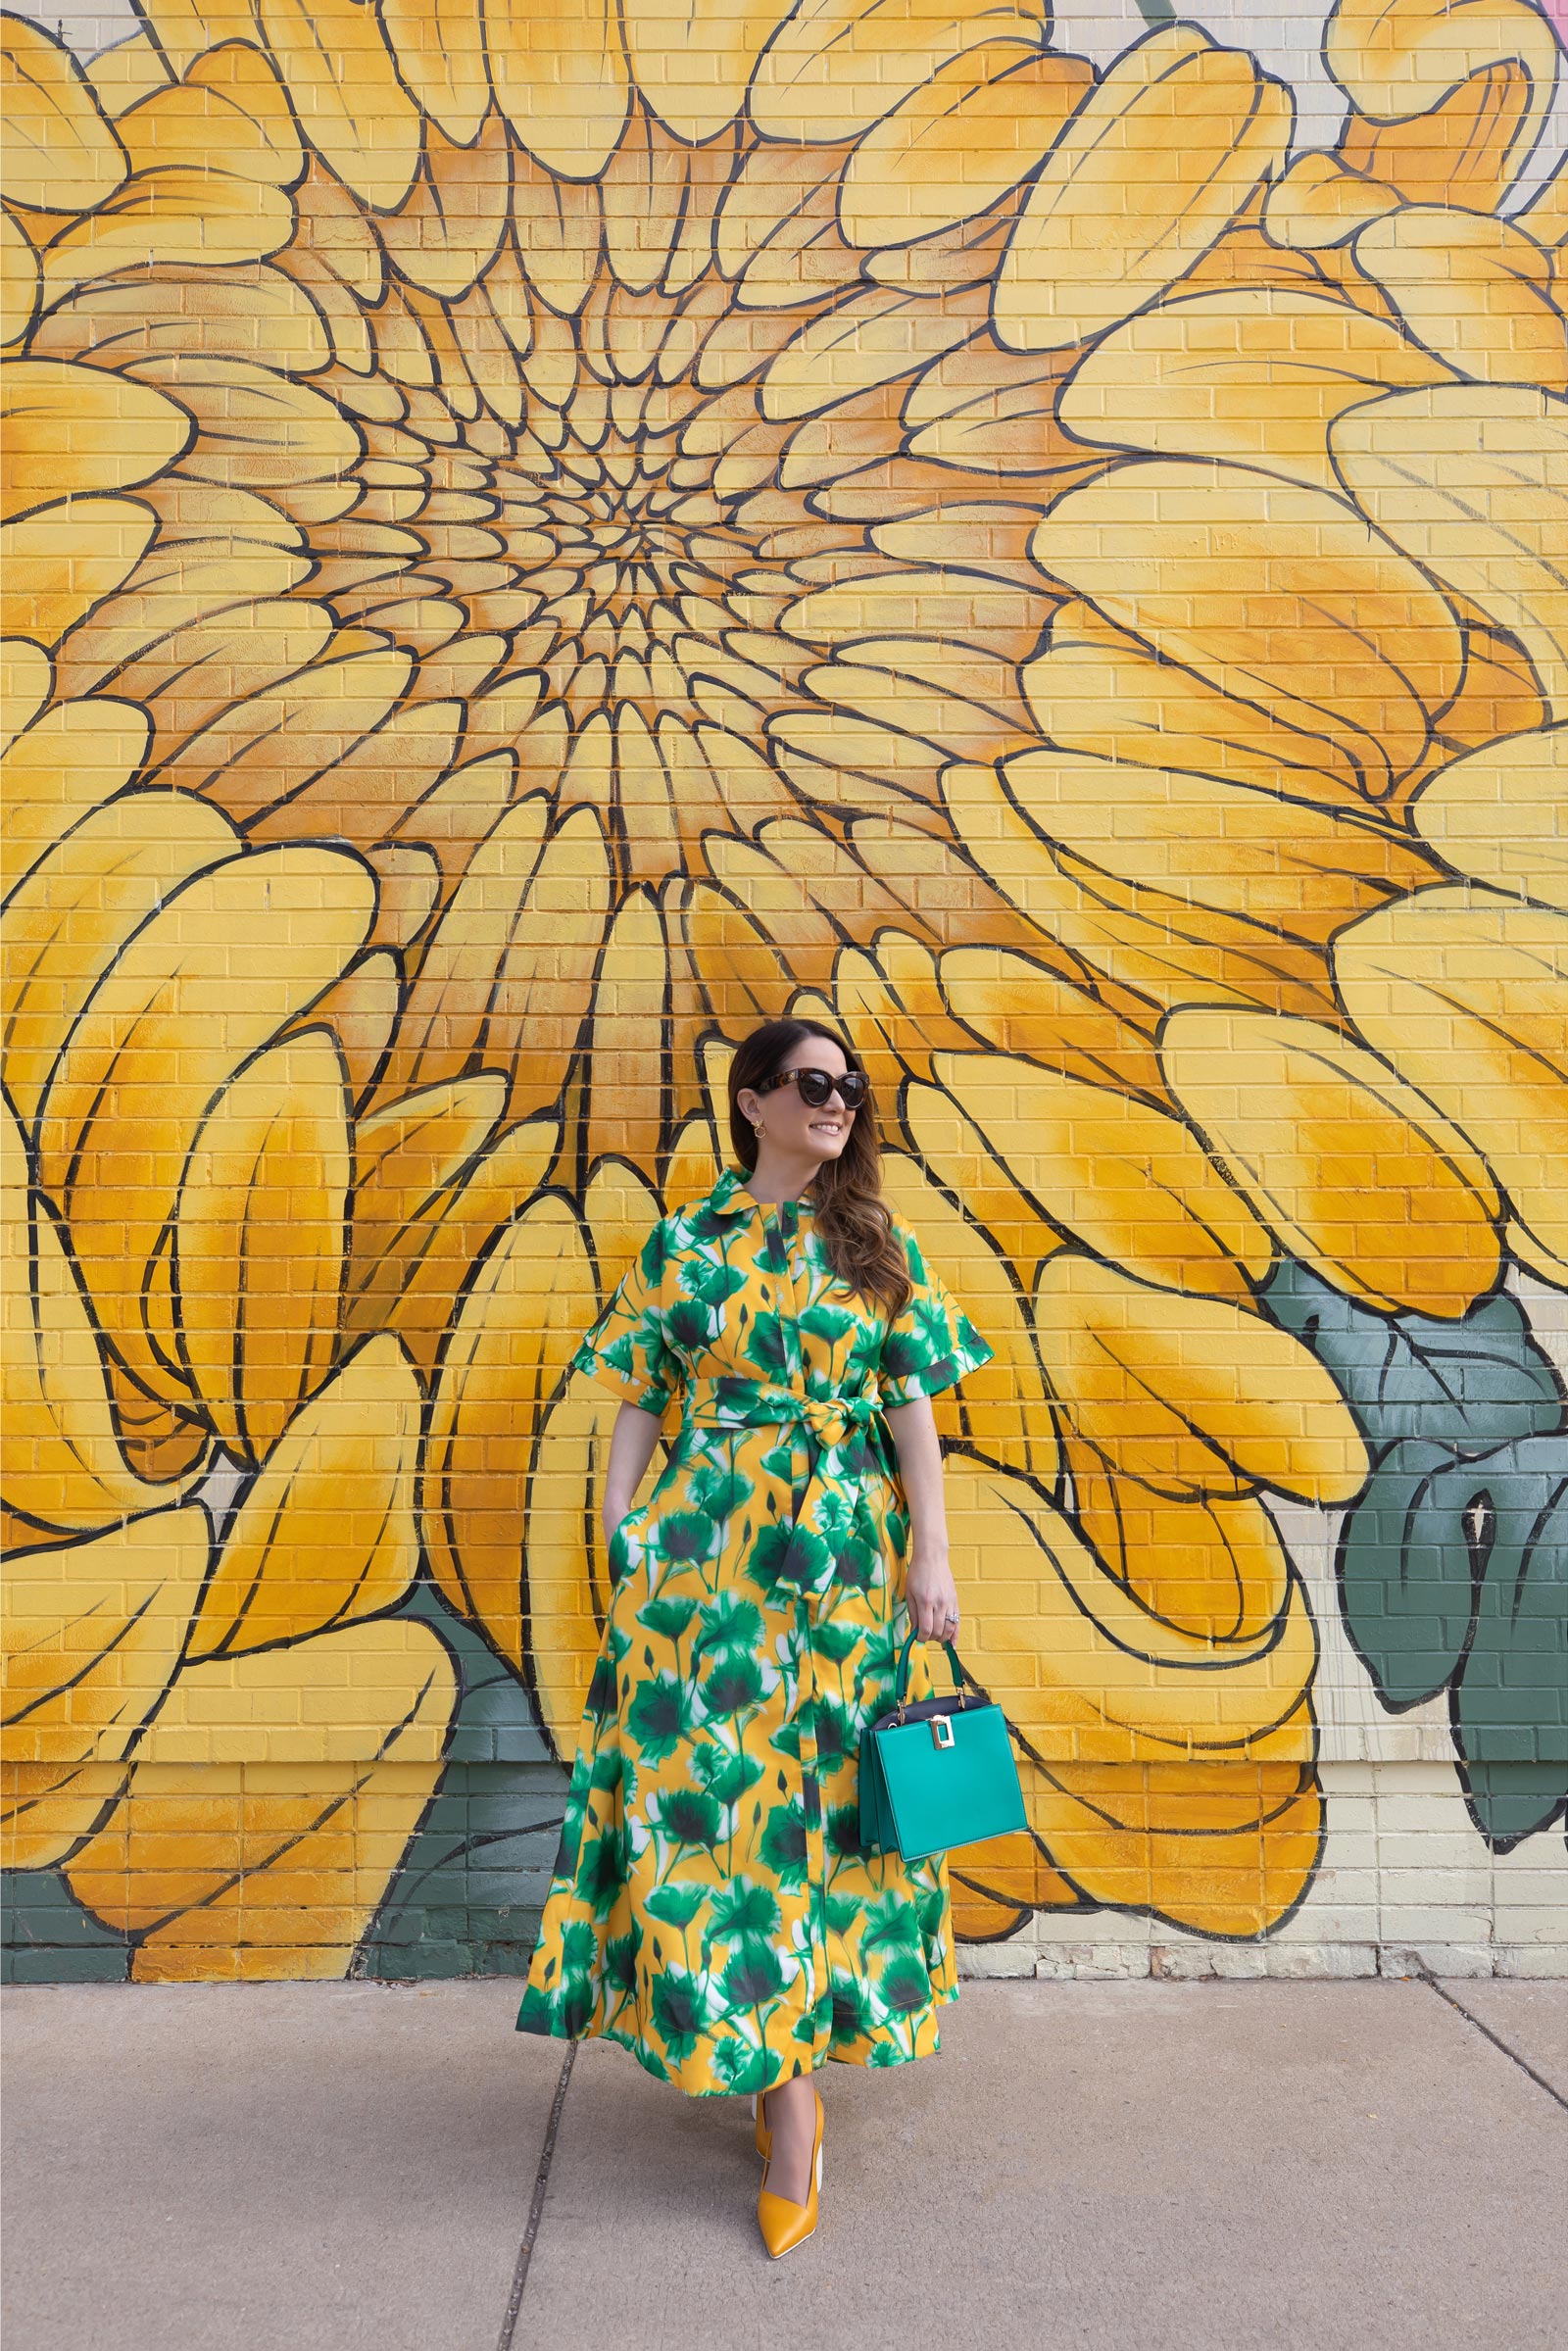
(853,1222)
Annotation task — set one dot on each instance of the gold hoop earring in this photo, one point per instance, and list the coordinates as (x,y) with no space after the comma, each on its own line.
(757,1128)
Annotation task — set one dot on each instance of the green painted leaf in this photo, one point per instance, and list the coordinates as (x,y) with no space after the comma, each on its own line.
(1453,1570)
(1473,1383)
(1510,1702)
(1407,1586)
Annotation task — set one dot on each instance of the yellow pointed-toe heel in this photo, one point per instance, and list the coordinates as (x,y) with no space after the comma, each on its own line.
(784,2225)
(760,2132)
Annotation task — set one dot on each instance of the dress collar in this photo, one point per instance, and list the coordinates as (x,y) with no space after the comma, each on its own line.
(730,1199)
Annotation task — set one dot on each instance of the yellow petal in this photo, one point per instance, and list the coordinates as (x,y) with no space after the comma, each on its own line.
(619,1207)
(958,141)
(214,1882)
(188,657)
(566,1593)
(187,31)
(778,228)
(526,1309)
(1501,695)
(259,937)
(1280,861)
(1473,482)
(130,69)
(997,1881)
(625,1033)
(1277,593)
(60,153)
(362,1009)
(1139,951)
(1401,60)
(59,562)
(25,680)
(1352,1169)
(558,227)
(1501,815)
(560,77)
(888,999)
(1467,993)
(63,1467)
(164,1441)
(413,1286)
(950,606)
(439,49)
(1468,149)
(868,340)
(326,1533)
(1095,688)
(263,755)
(218,315)
(1124,1178)
(509,971)
(1154,165)
(990,536)
(77,755)
(693,70)
(835,66)
(1212,1566)
(1084,1671)
(1018,1004)
(254,429)
(176,214)
(345,93)
(1218,1848)
(410,1154)
(93,1632)
(1191,1395)
(20,280)
(695,1164)
(1317,204)
(261,1241)
(242,77)
(75,428)
(1004,1411)
(67,921)
(448,230)
(46,1808)
(362,792)
(1257,376)
(1474,290)
(643,193)
(198,126)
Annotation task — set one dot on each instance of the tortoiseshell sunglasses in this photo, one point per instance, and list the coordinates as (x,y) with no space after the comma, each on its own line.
(817,1086)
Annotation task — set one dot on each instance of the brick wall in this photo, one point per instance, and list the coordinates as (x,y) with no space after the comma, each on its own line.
(533,540)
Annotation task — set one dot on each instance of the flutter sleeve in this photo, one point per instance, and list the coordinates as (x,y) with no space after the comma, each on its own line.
(627,1350)
(932,1343)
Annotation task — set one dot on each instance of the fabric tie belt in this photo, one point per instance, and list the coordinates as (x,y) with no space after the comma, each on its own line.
(853,1429)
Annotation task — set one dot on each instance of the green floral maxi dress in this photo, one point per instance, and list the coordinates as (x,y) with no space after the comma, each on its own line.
(710,1907)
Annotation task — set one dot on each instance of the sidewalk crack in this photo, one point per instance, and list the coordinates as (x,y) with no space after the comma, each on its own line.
(1497,2041)
(519,2275)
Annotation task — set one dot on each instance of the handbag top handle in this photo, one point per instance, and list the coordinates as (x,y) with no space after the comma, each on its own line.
(902,1691)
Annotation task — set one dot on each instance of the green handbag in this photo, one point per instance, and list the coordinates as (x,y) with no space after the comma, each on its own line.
(938,1773)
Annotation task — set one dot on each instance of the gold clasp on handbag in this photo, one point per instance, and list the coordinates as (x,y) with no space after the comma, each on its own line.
(941,1731)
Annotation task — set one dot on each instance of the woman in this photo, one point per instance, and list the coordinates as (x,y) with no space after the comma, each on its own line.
(711,1908)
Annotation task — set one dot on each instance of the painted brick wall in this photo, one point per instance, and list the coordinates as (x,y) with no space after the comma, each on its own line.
(535,538)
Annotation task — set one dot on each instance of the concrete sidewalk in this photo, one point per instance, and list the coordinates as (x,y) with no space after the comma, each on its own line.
(1221,2166)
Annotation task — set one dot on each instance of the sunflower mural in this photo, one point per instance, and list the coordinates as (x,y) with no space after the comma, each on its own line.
(536,537)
